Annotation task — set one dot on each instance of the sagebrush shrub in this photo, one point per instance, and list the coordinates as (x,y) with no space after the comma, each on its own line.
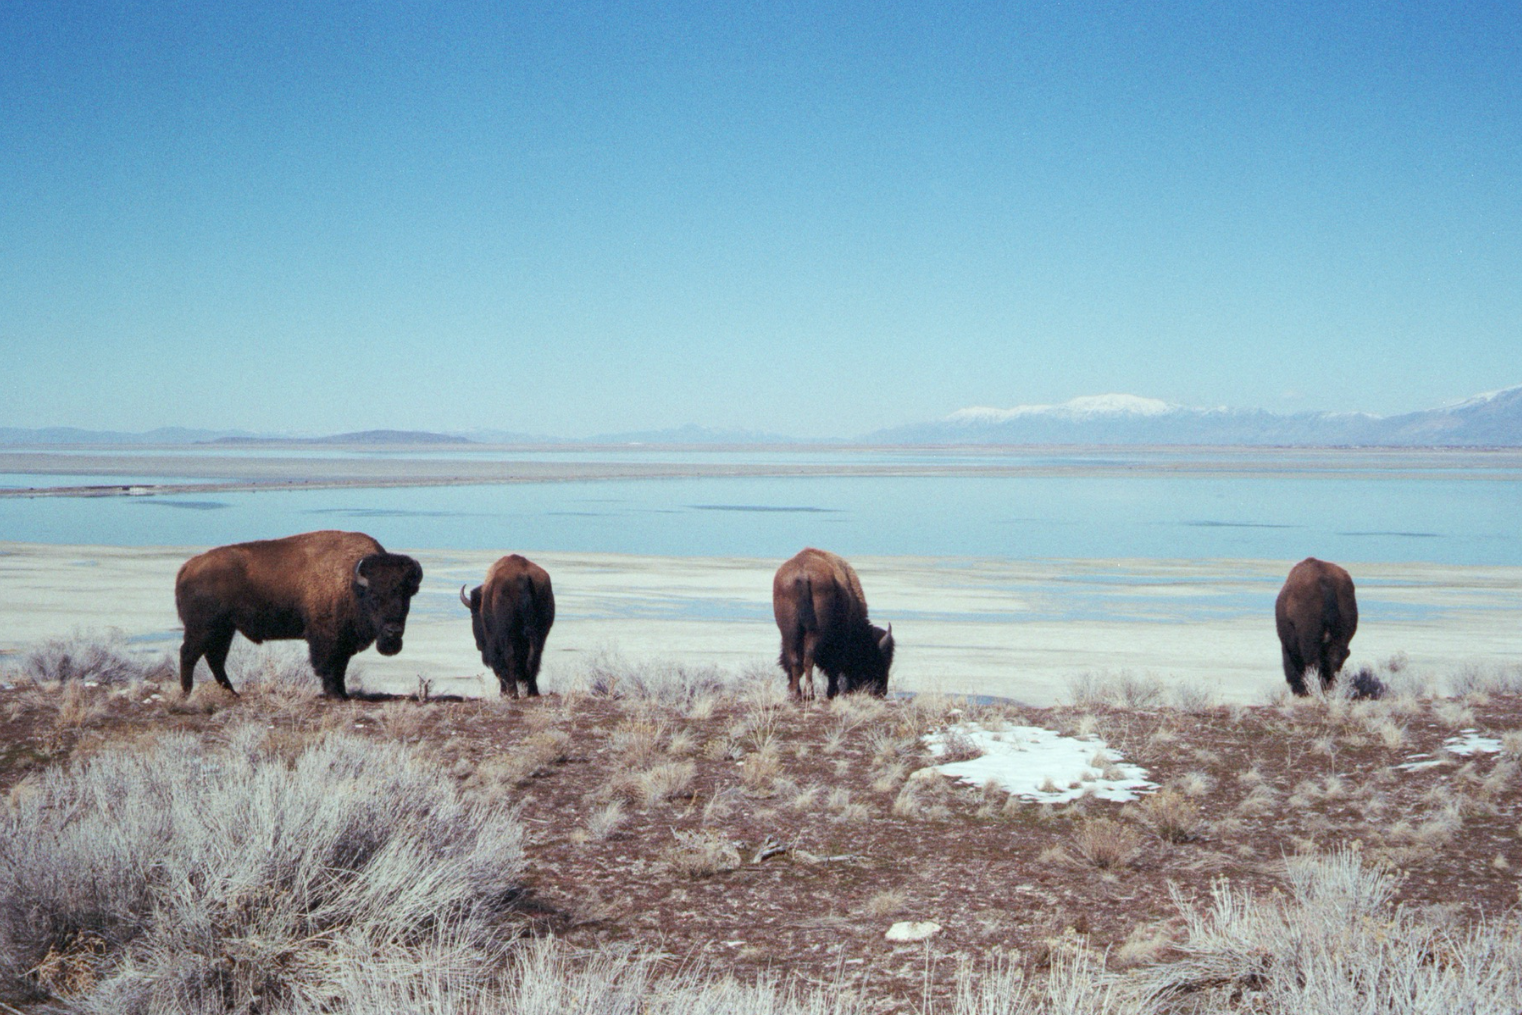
(232,879)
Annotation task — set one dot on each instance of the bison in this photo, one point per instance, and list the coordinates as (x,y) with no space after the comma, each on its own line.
(822,614)
(511,615)
(338,590)
(1316,615)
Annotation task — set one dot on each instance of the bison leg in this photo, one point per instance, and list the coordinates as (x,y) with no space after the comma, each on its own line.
(806,678)
(833,685)
(531,660)
(213,644)
(1327,668)
(1294,670)
(331,664)
(216,657)
(190,653)
(790,663)
(508,681)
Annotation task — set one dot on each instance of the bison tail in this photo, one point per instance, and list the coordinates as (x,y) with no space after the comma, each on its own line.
(1331,615)
(528,601)
(803,596)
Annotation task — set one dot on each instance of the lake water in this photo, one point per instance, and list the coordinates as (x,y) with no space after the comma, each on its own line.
(1360,517)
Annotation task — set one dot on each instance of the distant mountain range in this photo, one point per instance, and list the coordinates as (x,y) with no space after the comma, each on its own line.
(357,437)
(1492,419)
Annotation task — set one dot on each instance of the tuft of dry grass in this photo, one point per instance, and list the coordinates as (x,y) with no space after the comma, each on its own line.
(1171,816)
(759,771)
(638,741)
(1115,690)
(1106,843)
(888,778)
(958,746)
(888,902)
(1143,946)
(701,853)
(663,782)
(1195,784)
(529,758)
(927,796)
(605,822)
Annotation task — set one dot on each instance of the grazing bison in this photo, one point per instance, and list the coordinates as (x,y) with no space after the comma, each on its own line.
(338,590)
(822,613)
(511,615)
(1316,615)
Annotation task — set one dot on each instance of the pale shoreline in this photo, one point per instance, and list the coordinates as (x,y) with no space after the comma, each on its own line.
(1009,628)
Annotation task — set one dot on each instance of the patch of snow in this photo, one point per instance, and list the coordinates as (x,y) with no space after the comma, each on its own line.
(1040,764)
(1470,742)
(1466,743)
(908,930)
(1083,407)
(1480,399)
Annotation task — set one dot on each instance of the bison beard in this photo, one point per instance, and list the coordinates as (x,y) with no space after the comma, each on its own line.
(511,615)
(340,591)
(1316,615)
(822,614)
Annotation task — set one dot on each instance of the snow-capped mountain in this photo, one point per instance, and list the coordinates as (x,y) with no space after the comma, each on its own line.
(1084,407)
(1494,418)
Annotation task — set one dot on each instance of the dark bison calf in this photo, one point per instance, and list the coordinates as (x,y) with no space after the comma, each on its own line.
(1316,615)
(822,614)
(511,615)
(338,590)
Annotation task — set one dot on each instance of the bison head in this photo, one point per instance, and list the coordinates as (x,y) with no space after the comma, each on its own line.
(473,604)
(880,661)
(384,584)
(1337,652)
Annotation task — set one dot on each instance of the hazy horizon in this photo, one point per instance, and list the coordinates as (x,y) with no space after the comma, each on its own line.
(814,221)
(1078,403)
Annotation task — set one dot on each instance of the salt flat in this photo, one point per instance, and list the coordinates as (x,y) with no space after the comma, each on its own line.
(1017,629)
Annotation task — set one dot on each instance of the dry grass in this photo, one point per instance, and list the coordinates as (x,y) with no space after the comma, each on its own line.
(701,853)
(832,780)
(1171,816)
(656,785)
(605,821)
(1106,843)
(1115,690)
(90,657)
(224,875)
(958,746)
(927,796)
(530,758)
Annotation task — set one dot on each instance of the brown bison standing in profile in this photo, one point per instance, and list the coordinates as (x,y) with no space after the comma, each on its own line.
(511,614)
(822,614)
(1316,615)
(338,590)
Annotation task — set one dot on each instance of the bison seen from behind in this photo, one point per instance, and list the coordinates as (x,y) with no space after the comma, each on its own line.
(340,591)
(1316,615)
(822,614)
(511,615)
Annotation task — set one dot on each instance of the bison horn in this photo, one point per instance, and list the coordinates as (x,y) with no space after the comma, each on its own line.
(886,639)
(360,579)
(464,598)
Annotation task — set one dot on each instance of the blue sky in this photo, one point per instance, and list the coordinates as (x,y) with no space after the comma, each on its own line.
(816,219)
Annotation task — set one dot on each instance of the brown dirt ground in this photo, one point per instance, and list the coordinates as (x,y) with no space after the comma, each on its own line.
(999,877)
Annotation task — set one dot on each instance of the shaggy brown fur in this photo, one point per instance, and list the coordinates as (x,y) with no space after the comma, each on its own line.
(511,615)
(338,590)
(822,614)
(1317,616)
